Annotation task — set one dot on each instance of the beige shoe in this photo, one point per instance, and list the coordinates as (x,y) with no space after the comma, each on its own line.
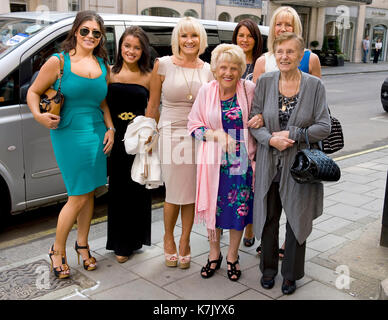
(171,259)
(184,262)
(122,259)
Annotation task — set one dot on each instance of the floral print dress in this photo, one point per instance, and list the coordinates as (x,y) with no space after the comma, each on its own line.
(235,193)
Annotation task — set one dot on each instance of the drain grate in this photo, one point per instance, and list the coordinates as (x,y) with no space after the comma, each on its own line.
(34,280)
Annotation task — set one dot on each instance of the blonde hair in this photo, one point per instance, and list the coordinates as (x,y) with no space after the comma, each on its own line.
(289,36)
(230,53)
(296,24)
(188,24)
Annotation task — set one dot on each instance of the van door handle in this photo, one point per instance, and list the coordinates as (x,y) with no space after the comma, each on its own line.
(11,148)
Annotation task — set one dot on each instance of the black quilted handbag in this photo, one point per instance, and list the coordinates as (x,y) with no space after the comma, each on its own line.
(335,141)
(313,165)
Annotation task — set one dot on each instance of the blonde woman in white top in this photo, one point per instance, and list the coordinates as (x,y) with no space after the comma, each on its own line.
(285,19)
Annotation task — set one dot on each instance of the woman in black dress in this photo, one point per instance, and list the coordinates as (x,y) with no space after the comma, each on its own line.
(129,203)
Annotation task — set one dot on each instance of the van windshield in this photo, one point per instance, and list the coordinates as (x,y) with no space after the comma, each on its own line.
(14,31)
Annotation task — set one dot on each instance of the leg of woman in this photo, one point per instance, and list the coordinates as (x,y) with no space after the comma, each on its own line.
(249,236)
(294,258)
(234,243)
(187,216)
(66,220)
(215,250)
(170,215)
(84,220)
(270,238)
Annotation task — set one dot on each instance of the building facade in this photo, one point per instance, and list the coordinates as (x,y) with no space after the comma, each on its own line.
(346,21)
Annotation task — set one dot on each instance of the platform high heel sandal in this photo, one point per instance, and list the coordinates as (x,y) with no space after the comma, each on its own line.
(171,260)
(62,271)
(88,262)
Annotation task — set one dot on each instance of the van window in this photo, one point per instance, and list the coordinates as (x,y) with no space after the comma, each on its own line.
(110,44)
(212,41)
(9,89)
(160,41)
(225,36)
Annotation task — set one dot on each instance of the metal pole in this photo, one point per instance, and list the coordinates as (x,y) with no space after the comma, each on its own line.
(384,228)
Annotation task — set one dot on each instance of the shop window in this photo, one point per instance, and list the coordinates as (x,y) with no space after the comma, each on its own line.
(224,16)
(160,12)
(247,16)
(74,5)
(191,13)
(18,7)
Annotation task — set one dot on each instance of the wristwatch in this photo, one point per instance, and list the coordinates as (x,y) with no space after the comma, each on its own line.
(110,128)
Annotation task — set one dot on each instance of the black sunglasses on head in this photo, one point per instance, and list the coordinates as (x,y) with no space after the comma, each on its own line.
(95,33)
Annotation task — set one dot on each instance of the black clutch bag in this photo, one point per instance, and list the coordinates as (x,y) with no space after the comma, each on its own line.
(313,165)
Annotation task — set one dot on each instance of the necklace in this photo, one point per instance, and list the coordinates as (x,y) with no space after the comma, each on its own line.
(189,96)
(284,105)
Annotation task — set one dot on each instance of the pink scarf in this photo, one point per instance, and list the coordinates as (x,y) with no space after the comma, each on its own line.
(206,112)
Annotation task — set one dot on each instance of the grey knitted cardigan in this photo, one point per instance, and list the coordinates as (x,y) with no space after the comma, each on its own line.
(302,203)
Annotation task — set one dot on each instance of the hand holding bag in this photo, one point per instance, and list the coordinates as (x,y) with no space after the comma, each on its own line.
(313,165)
(52,100)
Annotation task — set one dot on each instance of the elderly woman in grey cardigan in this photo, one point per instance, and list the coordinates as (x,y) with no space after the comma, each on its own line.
(289,101)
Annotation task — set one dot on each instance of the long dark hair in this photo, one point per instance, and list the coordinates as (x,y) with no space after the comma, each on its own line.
(70,42)
(256,34)
(144,62)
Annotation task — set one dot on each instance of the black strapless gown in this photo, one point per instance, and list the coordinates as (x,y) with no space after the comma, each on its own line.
(129,203)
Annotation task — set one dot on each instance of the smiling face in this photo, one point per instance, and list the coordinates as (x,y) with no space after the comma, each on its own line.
(189,42)
(227,74)
(288,55)
(90,40)
(131,49)
(284,23)
(245,40)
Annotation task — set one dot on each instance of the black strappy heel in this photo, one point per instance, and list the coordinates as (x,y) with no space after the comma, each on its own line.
(61,272)
(233,270)
(209,271)
(91,260)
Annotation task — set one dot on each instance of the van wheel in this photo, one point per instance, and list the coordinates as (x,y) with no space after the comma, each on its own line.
(385,106)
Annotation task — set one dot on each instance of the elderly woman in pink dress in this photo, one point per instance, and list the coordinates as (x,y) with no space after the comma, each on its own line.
(219,120)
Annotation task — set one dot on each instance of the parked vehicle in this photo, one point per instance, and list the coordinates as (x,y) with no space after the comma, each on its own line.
(384,94)
(29,175)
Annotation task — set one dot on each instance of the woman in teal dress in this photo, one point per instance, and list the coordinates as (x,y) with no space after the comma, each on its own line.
(82,135)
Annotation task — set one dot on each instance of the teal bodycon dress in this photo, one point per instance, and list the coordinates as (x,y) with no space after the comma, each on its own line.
(78,140)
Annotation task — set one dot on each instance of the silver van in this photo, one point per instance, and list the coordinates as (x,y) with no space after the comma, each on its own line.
(29,175)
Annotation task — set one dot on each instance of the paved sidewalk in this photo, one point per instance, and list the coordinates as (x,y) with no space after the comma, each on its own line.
(344,241)
(351,68)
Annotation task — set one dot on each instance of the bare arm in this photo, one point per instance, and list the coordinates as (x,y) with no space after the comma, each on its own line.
(156,81)
(109,134)
(259,68)
(315,65)
(47,76)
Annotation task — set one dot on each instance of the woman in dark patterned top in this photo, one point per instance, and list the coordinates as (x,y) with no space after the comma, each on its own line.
(290,101)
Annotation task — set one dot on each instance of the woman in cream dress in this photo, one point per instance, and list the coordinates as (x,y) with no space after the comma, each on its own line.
(176,79)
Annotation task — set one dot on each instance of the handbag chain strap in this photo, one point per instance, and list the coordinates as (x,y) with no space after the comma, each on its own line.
(61,71)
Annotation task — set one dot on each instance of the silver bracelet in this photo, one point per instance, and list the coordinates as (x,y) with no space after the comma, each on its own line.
(110,128)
